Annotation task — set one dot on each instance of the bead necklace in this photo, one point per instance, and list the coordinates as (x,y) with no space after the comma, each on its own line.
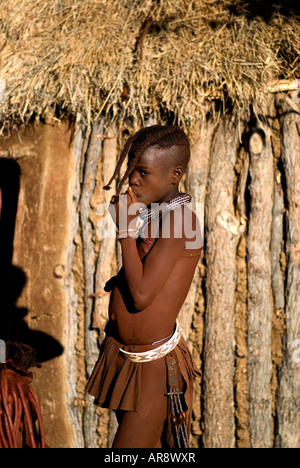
(151,213)
(147,214)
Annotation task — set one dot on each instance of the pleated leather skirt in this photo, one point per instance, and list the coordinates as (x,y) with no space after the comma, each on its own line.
(115,382)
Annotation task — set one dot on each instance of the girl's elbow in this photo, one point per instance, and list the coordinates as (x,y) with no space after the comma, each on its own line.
(141,302)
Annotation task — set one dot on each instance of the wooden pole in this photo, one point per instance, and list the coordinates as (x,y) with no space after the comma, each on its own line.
(222,234)
(259,290)
(288,406)
(196,180)
(75,410)
(192,312)
(90,419)
(276,241)
(107,251)
(277,86)
(107,238)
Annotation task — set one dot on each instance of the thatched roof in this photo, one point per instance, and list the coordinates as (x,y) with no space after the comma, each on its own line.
(138,57)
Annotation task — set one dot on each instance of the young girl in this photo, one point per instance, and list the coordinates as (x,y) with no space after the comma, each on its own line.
(145,371)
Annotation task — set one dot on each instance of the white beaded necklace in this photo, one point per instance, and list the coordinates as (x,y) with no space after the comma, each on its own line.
(152,213)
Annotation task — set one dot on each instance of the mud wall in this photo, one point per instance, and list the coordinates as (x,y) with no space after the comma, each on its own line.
(38,308)
(235,330)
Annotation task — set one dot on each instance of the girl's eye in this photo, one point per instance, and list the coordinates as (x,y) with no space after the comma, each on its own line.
(143,173)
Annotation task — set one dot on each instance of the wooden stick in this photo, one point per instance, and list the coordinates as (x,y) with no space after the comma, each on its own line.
(221,245)
(276,240)
(288,410)
(90,417)
(259,363)
(283,85)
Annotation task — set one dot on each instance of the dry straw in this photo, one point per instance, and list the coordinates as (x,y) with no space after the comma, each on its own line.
(134,58)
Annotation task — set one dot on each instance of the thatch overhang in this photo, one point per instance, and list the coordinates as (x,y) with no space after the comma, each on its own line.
(140,57)
(136,62)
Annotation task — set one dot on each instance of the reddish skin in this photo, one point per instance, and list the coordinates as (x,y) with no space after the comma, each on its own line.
(149,291)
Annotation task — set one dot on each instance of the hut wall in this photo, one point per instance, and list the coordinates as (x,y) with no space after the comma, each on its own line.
(38,312)
(289,377)
(213,64)
(240,317)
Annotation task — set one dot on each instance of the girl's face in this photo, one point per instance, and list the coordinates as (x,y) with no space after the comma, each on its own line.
(154,178)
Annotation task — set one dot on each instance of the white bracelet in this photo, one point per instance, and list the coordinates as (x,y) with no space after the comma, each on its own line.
(125,233)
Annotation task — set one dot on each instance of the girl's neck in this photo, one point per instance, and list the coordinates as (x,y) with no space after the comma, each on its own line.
(157,209)
(172,194)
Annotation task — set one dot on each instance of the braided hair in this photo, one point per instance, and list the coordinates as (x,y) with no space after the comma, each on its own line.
(159,136)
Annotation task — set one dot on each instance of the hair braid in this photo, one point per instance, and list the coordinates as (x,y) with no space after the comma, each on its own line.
(120,162)
(161,136)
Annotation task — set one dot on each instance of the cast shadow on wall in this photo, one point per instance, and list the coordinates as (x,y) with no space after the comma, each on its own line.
(13,327)
(45,346)
(264,10)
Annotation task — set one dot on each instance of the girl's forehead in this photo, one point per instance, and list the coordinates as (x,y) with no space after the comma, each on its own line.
(153,157)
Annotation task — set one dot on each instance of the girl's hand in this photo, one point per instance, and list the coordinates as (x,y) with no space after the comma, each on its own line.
(125,209)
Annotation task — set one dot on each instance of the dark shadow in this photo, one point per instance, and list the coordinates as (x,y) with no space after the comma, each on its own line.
(264,9)
(45,346)
(9,188)
(13,327)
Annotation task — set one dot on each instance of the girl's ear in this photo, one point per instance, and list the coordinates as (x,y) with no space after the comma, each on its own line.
(177,174)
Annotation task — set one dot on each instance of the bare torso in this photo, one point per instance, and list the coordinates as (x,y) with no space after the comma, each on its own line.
(156,321)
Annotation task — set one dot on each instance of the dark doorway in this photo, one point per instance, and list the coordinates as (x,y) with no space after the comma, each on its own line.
(9,188)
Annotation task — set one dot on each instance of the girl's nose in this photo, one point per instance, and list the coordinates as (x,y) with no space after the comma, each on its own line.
(134,178)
